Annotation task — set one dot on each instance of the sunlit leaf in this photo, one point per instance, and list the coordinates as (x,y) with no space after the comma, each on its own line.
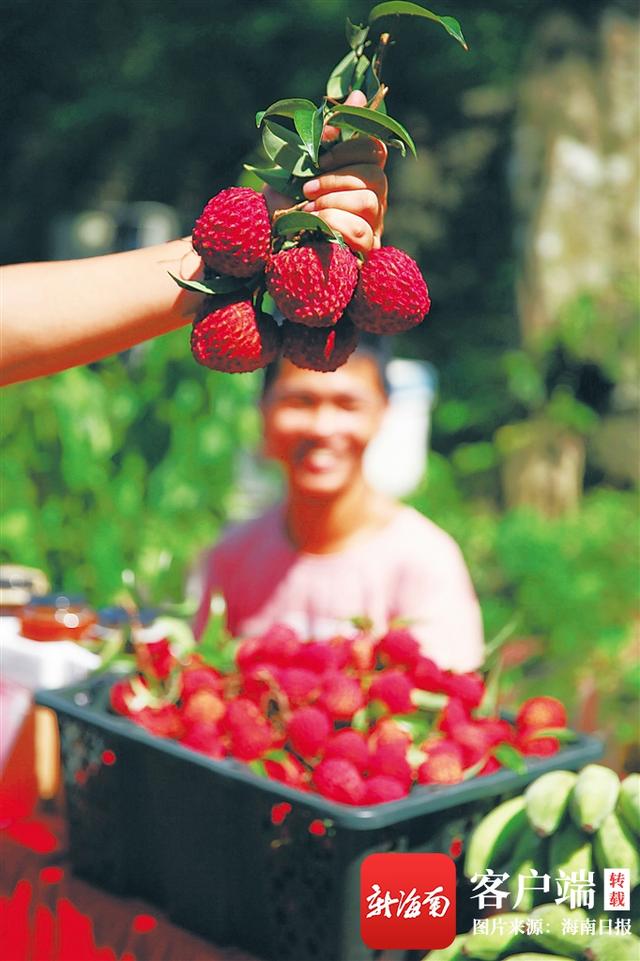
(400,7)
(372,123)
(510,758)
(286,149)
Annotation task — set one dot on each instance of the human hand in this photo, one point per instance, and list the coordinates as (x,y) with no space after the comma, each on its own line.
(350,193)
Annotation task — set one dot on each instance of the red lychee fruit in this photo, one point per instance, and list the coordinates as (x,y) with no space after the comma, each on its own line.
(453,715)
(444,764)
(300,686)
(250,741)
(341,696)
(280,644)
(228,335)
(199,678)
(391,295)
(339,780)
(393,688)
(528,743)
(388,731)
(312,283)
(541,712)
(205,737)
(469,688)
(163,721)
(350,745)
(155,658)
(241,712)
(308,730)
(491,766)
(315,656)
(204,706)
(427,675)
(233,232)
(258,680)
(289,771)
(398,647)
(121,696)
(323,349)
(391,760)
(382,788)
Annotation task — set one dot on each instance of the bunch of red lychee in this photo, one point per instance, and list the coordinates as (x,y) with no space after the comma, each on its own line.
(325,293)
(359,720)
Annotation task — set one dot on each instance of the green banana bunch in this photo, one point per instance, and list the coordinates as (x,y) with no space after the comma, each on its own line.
(594,797)
(609,947)
(529,852)
(532,956)
(452,953)
(570,850)
(629,802)
(546,800)
(493,835)
(552,938)
(616,847)
(506,937)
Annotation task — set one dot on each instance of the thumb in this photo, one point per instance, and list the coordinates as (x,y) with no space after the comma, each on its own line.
(355,99)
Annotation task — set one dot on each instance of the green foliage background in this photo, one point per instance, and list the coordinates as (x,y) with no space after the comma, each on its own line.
(106,467)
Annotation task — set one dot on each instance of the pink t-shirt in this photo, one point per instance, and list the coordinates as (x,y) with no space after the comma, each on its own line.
(410,569)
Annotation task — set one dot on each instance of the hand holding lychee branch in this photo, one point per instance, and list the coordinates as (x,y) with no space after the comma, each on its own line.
(325,294)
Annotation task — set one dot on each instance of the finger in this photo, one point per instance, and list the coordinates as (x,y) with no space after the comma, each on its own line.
(361,150)
(361,177)
(365,177)
(364,203)
(356,231)
(355,99)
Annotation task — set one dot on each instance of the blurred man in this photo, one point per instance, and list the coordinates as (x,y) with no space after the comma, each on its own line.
(335,548)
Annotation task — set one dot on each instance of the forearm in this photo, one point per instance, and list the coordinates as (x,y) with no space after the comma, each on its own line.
(61,314)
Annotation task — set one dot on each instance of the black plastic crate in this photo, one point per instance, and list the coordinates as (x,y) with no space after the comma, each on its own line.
(150,818)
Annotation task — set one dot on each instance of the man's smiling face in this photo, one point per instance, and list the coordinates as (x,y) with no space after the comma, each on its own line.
(318,425)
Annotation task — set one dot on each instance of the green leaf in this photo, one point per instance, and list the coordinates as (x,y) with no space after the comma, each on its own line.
(286,149)
(258,768)
(427,700)
(370,122)
(510,757)
(296,221)
(356,34)
(400,7)
(217,284)
(359,73)
(371,87)
(360,720)
(278,755)
(287,108)
(309,125)
(398,144)
(339,83)
(276,177)
(563,734)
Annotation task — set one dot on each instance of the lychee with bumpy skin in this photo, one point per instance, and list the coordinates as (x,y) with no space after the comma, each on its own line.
(393,688)
(443,765)
(427,675)
(341,696)
(308,730)
(312,283)
(541,712)
(399,647)
(350,745)
(339,780)
(280,644)
(230,336)
(391,760)
(322,348)
(382,788)
(233,232)
(391,295)
(300,686)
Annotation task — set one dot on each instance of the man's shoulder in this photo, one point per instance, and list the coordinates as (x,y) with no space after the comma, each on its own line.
(423,538)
